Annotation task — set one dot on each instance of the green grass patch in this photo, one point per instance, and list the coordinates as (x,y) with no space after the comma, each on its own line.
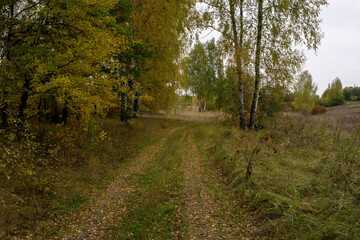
(72,203)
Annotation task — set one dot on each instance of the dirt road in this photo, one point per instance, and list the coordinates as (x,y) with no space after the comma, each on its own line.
(168,191)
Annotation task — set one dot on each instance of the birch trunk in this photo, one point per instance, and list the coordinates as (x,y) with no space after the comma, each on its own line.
(238,49)
(257,65)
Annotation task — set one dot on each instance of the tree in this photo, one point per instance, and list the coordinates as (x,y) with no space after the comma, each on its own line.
(281,25)
(215,73)
(347,93)
(129,62)
(16,19)
(227,17)
(351,93)
(53,68)
(334,94)
(355,93)
(161,26)
(238,40)
(205,73)
(305,92)
(198,82)
(231,98)
(257,64)
(71,58)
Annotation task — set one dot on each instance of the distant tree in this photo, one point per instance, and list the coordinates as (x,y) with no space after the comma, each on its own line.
(198,82)
(351,93)
(305,92)
(215,73)
(355,94)
(334,94)
(205,73)
(320,101)
(347,92)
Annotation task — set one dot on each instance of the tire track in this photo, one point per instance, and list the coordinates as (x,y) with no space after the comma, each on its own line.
(202,210)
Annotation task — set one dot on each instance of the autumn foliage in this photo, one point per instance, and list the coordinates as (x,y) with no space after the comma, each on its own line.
(318,110)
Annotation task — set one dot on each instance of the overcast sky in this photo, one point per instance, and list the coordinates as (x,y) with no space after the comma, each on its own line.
(339,52)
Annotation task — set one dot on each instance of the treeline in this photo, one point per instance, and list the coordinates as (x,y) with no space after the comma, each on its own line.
(336,95)
(205,74)
(333,95)
(214,82)
(352,93)
(67,59)
(305,97)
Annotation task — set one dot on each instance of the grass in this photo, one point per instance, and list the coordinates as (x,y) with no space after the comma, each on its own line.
(71,203)
(345,117)
(220,192)
(303,182)
(152,212)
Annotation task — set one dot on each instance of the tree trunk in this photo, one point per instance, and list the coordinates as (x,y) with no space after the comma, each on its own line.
(257,66)
(55,118)
(123,104)
(25,95)
(4,114)
(238,49)
(136,105)
(24,98)
(41,110)
(130,109)
(65,114)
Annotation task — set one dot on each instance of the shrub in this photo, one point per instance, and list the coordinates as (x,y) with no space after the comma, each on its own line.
(354,98)
(305,93)
(320,101)
(334,94)
(317,110)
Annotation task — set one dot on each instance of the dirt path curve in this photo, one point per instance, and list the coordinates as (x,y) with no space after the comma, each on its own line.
(207,216)
(92,221)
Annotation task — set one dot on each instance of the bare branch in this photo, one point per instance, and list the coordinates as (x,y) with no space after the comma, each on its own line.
(27,8)
(215,6)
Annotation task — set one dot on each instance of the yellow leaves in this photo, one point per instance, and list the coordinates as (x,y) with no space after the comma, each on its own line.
(124,44)
(103,136)
(158,25)
(29,172)
(66,67)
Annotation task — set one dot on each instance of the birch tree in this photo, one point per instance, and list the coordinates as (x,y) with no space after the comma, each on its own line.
(283,28)
(228,18)
(265,39)
(305,92)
